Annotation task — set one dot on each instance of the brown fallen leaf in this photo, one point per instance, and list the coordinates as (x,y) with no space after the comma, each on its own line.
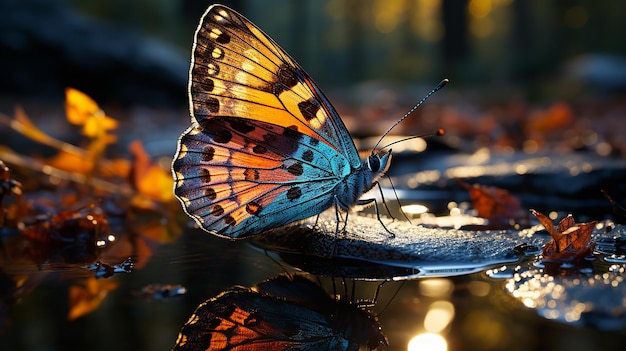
(495,204)
(571,242)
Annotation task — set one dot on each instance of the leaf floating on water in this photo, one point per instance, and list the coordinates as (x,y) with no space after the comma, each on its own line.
(571,242)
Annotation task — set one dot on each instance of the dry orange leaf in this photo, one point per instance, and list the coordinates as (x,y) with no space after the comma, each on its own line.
(557,116)
(70,162)
(570,240)
(149,178)
(80,109)
(495,204)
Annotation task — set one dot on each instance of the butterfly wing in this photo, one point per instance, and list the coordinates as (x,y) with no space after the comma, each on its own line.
(237,71)
(265,148)
(239,177)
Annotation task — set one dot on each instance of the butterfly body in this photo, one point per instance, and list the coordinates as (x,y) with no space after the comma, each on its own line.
(281,313)
(266,148)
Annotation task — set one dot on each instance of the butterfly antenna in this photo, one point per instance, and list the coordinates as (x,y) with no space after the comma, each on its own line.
(434,90)
(438,132)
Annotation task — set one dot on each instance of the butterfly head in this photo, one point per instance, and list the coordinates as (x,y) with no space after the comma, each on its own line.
(378,161)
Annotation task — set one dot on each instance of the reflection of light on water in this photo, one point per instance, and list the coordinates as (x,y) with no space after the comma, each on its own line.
(437,288)
(428,342)
(455,221)
(102,243)
(424,177)
(414,209)
(478,288)
(439,315)
(568,299)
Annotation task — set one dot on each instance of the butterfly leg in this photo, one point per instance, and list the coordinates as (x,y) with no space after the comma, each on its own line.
(380,190)
(370,201)
(338,220)
(317,218)
(338,205)
(373,200)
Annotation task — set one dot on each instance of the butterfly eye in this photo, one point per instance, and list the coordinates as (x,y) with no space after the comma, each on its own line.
(373,163)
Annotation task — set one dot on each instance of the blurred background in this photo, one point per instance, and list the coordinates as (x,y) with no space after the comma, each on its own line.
(137,51)
(525,74)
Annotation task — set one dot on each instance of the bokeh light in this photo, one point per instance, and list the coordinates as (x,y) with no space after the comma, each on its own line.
(428,342)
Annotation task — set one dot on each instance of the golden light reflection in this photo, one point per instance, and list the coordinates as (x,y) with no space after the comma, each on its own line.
(428,342)
(424,177)
(413,145)
(436,287)
(478,288)
(439,316)
(414,209)
(521,169)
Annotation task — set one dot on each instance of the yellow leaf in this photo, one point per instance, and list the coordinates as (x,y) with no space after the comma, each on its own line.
(149,178)
(71,163)
(79,107)
(98,125)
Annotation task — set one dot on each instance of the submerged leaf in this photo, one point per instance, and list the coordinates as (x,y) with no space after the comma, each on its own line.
(86,297)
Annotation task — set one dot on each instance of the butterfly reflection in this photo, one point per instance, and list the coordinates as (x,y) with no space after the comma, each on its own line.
(281,313)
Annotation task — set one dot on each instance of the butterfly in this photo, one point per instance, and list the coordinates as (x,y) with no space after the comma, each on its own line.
(281,313)
(266,147)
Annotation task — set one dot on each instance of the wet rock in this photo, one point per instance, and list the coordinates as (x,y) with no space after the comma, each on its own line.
(427,251)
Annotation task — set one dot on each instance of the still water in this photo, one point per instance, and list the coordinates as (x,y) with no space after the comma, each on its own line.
(441,310)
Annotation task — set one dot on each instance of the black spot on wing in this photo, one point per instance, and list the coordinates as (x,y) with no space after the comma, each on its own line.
(307,155)
(296,169)
(210,193)
(309,108)
(208,153)
(294,193)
